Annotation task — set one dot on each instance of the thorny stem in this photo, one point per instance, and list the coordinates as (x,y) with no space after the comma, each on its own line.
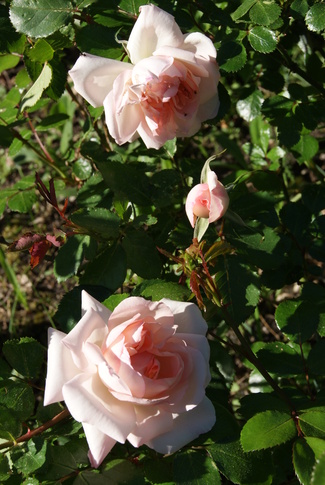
(35,432)
(37,138)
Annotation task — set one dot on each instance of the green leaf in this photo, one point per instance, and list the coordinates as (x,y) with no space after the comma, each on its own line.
(242,9)
(128,181)
(289,128)
(303,461)
(6,136)
(98,40)
(316,361)
(82,169)
(313,196)
(112,301)
(232,56)
(108,269)
(41,52)
(264,12)
(98,221)
(255,403)
(94,192)
(158,289)
(10,424)
(60,462)
(52,121)
(226,427)
(200,228)
(260,132)
(319,472)
(296,217)
(8,61)
(22,201)
(299,8)
(18,397)
(4,467)
(250,107)
(194,467)
(131,6)
(33,458)
(281,359)
(240,467)
(307,147)
(263,250)
(36,91)
(315,17)
(25,355)
(297,319)
(142,255)
(262,39)
(317,445)
(312,423)
(71,255)
(40,18)
(267,429)
(239,287)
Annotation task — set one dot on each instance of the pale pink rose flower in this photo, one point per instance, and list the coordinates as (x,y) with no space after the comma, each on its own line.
(209,200)
(138,373)
(168,89)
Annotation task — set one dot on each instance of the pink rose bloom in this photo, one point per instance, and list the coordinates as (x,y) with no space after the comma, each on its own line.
(209,200)
(169,89)
(138,373)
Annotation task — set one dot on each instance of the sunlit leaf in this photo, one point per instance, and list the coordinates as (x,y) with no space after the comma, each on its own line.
(262,39)
(315,17)
(36,91)
(267,429)
(39,18)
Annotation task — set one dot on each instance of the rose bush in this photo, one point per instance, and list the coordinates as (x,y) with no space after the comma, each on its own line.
(137,373)
(208,200)
(169,89)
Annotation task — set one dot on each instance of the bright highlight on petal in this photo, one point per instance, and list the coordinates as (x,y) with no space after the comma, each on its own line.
(137,374)
(169,89)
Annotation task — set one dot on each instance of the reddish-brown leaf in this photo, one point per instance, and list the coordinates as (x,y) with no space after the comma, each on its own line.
(38,252)
(25,241)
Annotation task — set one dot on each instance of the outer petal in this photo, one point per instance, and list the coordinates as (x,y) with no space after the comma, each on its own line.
(99,444)
(90,328)
(150,140)
(60,367)
(87,302)
(188,317)
(187,426)
(199,44)
(154,28)
(208,92)
(93,77)
(151,422)
(89,401)
(219,197)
